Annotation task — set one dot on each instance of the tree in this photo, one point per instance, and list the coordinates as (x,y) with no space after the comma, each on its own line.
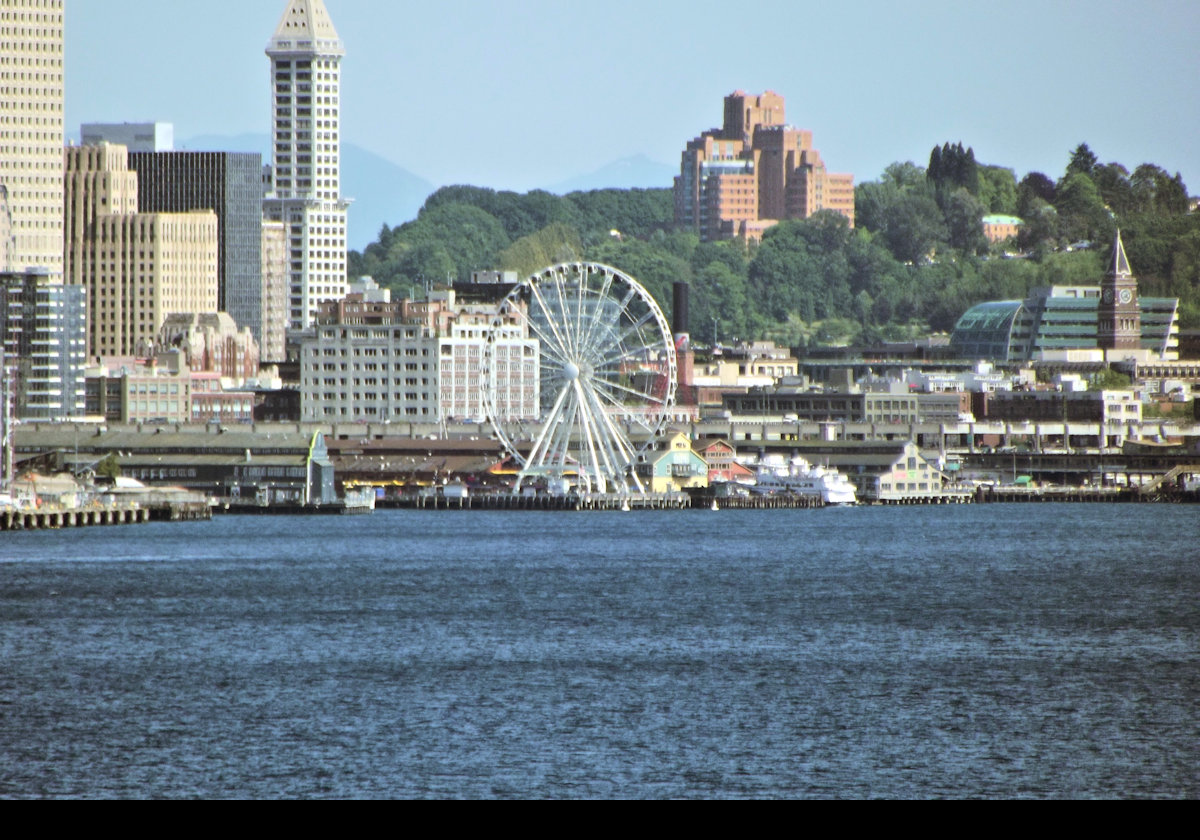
(998,189)
(1081,211)
(1034,185)
(1083,162)
(964,222)
(109,467)
(913,227)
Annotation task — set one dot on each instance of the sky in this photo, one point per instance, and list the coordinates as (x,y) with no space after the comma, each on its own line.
(527,93)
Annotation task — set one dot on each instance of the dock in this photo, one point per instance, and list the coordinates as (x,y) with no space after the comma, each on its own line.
(23,519)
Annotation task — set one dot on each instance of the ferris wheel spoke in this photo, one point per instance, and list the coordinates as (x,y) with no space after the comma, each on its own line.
(633,328)
(632,352)
(550,320)
(613,434)
(549,346)
(544,436)
(591,434)
(650,398)
(597,316)
(649,419)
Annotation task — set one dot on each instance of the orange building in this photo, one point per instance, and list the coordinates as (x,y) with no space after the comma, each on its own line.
(738,180)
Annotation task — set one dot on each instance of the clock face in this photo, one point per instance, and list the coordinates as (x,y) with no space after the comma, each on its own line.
(1108,295)
(1126,295)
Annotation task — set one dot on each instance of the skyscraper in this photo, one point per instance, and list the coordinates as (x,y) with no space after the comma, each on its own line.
(137,267)
(229,184)
(306,55)
(31,133)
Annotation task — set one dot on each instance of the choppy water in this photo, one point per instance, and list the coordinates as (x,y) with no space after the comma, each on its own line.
(990,651)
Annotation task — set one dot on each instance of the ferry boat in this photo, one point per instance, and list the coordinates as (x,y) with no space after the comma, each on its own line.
(773,474)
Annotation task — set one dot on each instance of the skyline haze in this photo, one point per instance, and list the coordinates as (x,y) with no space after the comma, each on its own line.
(467,92)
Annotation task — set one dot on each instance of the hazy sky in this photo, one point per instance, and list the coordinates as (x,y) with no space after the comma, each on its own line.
(524,94)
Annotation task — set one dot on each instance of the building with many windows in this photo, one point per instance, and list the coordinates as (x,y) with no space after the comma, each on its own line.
(740,179)
(42,343)
(306,55)
(1108,322)
(31,134)
(137,267)
(371,358)
(229,184)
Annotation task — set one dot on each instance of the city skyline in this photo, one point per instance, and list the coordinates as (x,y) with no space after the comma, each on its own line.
(1021,84)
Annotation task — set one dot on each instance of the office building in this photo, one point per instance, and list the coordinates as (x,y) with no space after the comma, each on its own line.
(306,55)
(31,134)
(740,179)
(371,358)
(1109,322)
(42,344)
(229,184)
(137,267)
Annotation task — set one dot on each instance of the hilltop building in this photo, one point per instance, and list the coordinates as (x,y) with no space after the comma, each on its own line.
(31,137)
(306,55)
(738,180)
(137,267)
(1105,323)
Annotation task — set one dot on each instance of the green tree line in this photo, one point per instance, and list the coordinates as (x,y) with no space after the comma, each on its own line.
(915,261)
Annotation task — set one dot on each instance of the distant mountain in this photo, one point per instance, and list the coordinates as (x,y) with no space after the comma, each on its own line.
(382,192)
(638,171)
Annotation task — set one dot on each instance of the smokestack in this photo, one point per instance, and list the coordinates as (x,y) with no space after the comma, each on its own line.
(679,310)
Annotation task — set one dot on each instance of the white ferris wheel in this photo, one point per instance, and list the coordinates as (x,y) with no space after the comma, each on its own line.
(606,377)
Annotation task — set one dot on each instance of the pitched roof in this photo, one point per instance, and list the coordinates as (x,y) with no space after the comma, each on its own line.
(306,27)
(1120,264)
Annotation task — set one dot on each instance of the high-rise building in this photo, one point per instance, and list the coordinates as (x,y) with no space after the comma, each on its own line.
(137,267)
(740,179)
(306,55)
(31,132)
(42,343)
(229,184)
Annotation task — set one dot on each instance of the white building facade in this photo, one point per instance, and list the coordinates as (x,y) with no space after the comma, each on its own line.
(306,55)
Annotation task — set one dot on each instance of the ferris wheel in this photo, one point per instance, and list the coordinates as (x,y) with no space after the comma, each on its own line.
(606,376)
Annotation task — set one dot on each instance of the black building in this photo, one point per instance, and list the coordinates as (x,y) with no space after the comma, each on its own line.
(229,184)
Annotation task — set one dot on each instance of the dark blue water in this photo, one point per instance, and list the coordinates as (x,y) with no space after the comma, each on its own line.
(965,651)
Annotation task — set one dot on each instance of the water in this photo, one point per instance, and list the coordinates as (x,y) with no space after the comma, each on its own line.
(963,651)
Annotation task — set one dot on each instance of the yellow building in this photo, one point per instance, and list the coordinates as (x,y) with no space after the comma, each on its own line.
(31,134)
(137,267)
(674,467)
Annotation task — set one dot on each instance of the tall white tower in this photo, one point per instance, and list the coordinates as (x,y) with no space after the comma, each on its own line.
(31,135)
(306,55)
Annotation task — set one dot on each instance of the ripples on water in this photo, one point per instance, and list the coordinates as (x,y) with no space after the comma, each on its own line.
(1038,650)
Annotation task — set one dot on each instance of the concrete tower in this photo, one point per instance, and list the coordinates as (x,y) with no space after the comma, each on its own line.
(306,55)
(31,139)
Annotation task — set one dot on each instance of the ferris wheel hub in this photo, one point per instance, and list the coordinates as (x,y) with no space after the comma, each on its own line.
(571,371)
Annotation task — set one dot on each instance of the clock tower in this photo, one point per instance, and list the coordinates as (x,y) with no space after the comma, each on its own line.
(1119,314)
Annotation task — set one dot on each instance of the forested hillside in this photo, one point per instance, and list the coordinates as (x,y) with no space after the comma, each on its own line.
(915,262)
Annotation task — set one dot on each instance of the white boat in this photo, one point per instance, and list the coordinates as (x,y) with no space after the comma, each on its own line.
(774,474)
